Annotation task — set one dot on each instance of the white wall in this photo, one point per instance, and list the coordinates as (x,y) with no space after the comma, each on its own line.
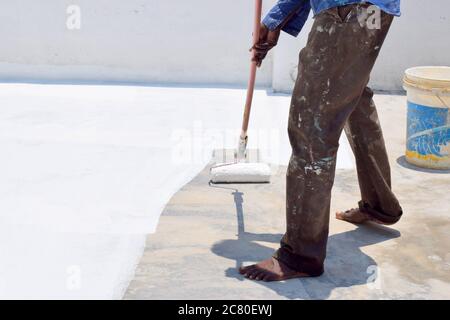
(157,41)
(421,36)
(186,41)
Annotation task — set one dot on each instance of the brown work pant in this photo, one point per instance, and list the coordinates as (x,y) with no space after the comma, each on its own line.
(331,93)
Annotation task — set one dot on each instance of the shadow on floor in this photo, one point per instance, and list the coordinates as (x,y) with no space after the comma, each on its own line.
(405,164)
(346,264)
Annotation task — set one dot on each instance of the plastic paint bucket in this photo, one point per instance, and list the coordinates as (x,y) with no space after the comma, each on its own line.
(428,128)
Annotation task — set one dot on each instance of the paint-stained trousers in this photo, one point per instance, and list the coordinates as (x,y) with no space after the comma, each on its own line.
(331,94)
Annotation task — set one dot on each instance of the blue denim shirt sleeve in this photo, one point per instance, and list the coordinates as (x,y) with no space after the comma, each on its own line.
(282,10)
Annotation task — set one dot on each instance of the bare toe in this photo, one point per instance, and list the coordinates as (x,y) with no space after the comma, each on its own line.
(244,270)
(260,276)
(253,275)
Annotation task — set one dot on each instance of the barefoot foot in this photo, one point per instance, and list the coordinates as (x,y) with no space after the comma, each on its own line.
(356,216)
(270,270)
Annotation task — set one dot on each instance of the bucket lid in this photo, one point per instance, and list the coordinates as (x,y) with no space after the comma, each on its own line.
(428,78)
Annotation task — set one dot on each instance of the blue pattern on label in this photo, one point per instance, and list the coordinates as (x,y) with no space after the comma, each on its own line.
(428,129)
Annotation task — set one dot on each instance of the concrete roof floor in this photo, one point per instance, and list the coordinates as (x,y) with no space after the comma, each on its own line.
(205,233)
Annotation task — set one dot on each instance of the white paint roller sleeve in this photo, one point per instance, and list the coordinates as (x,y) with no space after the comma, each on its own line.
(241,173)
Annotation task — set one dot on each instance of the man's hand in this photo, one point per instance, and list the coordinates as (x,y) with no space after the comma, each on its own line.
(267,40)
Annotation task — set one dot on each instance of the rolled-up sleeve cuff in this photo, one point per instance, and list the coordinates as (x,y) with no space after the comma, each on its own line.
(272,24)
(281,11)
(274,18)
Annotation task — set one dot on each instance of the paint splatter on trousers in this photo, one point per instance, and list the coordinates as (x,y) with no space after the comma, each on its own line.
(331,95)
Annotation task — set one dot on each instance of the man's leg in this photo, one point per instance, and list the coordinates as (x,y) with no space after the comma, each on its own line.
(364,133)
(334,70)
